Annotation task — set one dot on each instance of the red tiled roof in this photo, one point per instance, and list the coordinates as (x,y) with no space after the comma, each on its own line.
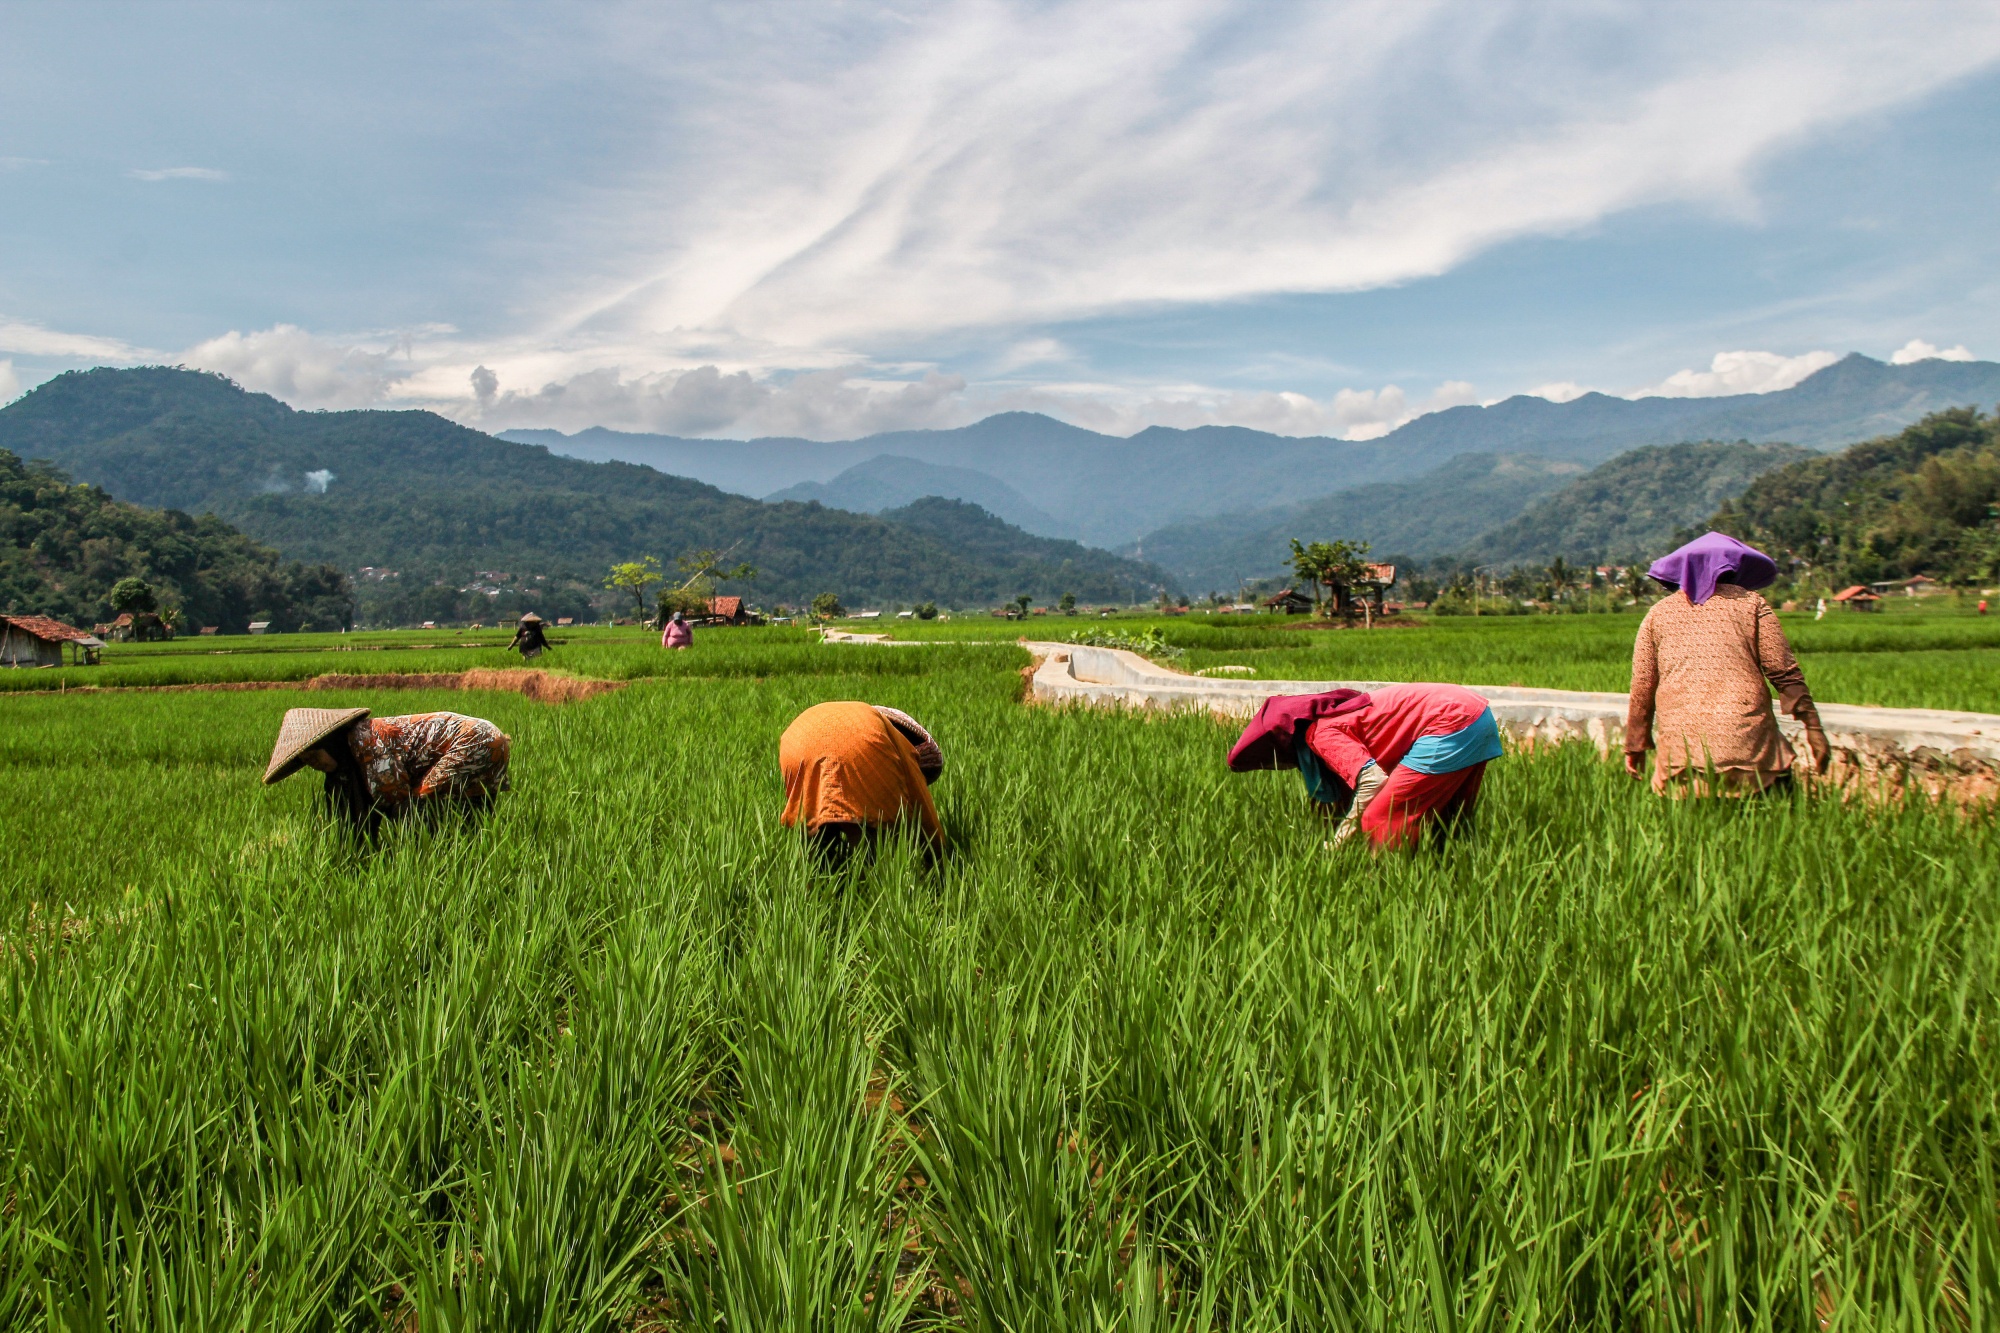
(1384,574)
(50,631)
(1855,593)
(725,607)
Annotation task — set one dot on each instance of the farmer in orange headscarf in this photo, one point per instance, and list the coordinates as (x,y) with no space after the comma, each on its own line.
(854,768)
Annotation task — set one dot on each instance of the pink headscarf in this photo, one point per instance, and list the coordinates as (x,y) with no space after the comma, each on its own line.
(1697,567)
(1267,741)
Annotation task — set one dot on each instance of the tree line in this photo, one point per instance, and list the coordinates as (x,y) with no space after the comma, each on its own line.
(65,549)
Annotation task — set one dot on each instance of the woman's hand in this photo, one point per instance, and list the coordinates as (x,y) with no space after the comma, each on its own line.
(1821,752)
(1635,763)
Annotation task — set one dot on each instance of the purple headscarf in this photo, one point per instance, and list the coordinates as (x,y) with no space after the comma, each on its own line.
(1697,567)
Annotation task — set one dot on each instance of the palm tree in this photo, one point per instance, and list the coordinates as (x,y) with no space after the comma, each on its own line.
(1561,576)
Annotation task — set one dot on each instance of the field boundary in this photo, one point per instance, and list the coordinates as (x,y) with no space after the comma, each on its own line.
(541,686)
(1940,752)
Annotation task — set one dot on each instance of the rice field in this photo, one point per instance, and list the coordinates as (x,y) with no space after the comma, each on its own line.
(1140,1054)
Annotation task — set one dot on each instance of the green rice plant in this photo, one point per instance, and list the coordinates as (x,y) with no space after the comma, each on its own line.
(1140,1053)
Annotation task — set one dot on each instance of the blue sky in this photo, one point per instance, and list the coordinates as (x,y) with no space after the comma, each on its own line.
(825,220)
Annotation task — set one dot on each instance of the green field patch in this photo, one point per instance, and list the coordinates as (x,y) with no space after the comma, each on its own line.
(1141,1049)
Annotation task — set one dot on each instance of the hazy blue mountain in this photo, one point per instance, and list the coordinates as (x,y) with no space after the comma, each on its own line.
(744,467)
(887,481)
(1112,491)
(1435,514)
(1634,507)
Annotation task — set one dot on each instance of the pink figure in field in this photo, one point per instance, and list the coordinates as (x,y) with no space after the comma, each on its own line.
(678,634)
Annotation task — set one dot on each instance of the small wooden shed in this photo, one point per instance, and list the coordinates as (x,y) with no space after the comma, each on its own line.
(37,641)
(1857,598)
(729,611)
(1291,601)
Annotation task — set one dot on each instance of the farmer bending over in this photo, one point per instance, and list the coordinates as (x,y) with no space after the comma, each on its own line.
(392,765)
(1389,761)
(853,768)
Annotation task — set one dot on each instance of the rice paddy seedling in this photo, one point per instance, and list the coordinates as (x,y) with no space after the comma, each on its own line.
(1141,1053)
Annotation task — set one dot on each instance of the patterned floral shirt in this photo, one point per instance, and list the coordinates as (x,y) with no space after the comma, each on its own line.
(430,754)
(1700,692)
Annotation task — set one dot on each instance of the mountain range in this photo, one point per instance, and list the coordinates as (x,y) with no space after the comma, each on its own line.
(1112,491)
(438,503)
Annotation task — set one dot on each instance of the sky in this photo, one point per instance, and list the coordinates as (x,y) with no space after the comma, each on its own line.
(826,220)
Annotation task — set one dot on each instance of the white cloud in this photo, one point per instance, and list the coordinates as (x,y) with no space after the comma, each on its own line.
(1916,349)
(990,163)
(1562,391)
(1739,372)
(10,383)
(1351,414)
(288,363)
(826,404)
(177,174)
(21,163)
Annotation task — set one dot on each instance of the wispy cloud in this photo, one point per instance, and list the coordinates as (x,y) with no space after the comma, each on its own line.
(26,339)
(21,163)
(177,174)
(990,163)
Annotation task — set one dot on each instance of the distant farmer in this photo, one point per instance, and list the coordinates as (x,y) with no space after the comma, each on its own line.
(391,766)
(1699,672)
(678,634)
(528,637)
(854,768)
(1387,762)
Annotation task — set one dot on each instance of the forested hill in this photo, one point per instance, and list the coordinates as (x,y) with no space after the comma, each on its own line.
(1436,514)
(437,502)
(1634,507)
(1926,501)
(63,547)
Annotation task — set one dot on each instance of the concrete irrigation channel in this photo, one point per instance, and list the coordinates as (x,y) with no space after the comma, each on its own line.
(1875,750)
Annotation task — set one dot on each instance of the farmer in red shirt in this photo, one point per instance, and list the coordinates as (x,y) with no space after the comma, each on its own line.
(1389,760)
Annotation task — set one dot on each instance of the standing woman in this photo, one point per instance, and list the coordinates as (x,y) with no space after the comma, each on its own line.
(1699,672)
(392,766)
(678,633)
(1390,761)
(529,637)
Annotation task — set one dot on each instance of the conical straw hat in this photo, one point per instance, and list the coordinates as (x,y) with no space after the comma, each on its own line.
(304,728)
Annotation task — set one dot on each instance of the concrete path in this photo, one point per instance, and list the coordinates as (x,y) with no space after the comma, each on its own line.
(1938,751)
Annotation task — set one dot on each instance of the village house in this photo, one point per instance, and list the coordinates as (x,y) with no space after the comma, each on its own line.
(142,627)
(37,641)
(1857,598)
(1291,601)
(730,611)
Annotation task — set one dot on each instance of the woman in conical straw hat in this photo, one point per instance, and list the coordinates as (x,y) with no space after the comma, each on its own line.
(392,765)
(530,637)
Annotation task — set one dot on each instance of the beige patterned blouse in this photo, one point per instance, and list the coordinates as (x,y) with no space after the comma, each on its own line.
(1699,691)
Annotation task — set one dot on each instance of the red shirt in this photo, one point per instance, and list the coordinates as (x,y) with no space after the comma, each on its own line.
(1397,717)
